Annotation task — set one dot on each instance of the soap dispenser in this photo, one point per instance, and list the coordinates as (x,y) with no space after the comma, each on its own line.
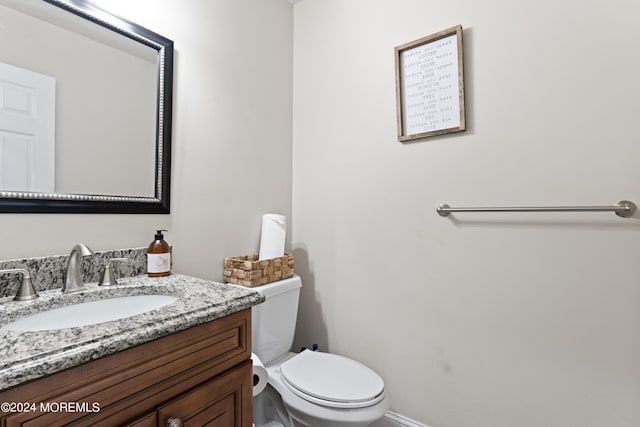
(159,257)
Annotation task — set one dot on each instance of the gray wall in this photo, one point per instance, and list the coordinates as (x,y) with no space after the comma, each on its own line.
(477,320)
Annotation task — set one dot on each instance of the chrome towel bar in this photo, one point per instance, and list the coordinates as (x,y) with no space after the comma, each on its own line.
(623,208)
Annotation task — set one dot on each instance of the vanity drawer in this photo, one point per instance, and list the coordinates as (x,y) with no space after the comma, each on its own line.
(220,401)
(132,383)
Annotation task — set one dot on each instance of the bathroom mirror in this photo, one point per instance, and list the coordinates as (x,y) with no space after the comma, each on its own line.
(85,110)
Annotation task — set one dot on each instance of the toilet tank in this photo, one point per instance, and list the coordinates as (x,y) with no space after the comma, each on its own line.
(273,322)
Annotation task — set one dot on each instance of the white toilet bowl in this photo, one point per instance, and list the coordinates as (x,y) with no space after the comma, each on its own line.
(327,390)
(308,389)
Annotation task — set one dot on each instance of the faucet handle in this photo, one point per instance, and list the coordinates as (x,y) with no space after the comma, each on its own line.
(108,278)
(26,291)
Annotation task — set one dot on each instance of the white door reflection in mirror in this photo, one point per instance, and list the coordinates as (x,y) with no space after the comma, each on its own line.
(27,130)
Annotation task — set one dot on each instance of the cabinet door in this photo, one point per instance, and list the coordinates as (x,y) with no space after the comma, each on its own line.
(150,420)
(224,401)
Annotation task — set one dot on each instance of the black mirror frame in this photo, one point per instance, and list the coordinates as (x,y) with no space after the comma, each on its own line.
(24,202)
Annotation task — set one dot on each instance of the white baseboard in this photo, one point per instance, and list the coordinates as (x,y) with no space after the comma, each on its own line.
(391,419)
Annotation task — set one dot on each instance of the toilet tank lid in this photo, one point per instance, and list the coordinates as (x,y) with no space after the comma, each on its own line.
(279,287)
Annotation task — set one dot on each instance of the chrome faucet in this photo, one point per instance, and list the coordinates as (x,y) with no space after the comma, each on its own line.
(73,281)
(26,291)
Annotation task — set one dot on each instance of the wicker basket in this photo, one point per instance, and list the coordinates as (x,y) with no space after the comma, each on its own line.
(248,271)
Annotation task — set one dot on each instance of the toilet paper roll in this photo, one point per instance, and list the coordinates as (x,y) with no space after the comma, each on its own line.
(260,376)
(274,228)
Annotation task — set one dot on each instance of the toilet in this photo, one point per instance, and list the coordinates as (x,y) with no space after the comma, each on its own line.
(309,388)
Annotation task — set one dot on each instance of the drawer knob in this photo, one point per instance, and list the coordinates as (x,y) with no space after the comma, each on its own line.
(174,422)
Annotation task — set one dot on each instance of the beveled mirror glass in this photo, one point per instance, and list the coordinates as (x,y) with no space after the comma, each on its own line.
(85,110)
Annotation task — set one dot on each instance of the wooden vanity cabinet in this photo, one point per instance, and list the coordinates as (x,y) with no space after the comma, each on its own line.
(199,376)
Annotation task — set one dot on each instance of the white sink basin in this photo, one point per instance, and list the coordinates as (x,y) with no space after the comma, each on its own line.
(90,313)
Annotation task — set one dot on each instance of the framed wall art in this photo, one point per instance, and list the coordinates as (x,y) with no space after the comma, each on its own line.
(430,86)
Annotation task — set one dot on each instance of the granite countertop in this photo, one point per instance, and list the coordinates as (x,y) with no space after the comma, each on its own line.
(33,354)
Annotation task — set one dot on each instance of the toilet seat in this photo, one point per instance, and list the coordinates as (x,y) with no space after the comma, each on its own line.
(331,380)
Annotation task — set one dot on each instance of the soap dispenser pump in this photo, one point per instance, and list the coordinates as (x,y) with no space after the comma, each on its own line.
(159,257)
